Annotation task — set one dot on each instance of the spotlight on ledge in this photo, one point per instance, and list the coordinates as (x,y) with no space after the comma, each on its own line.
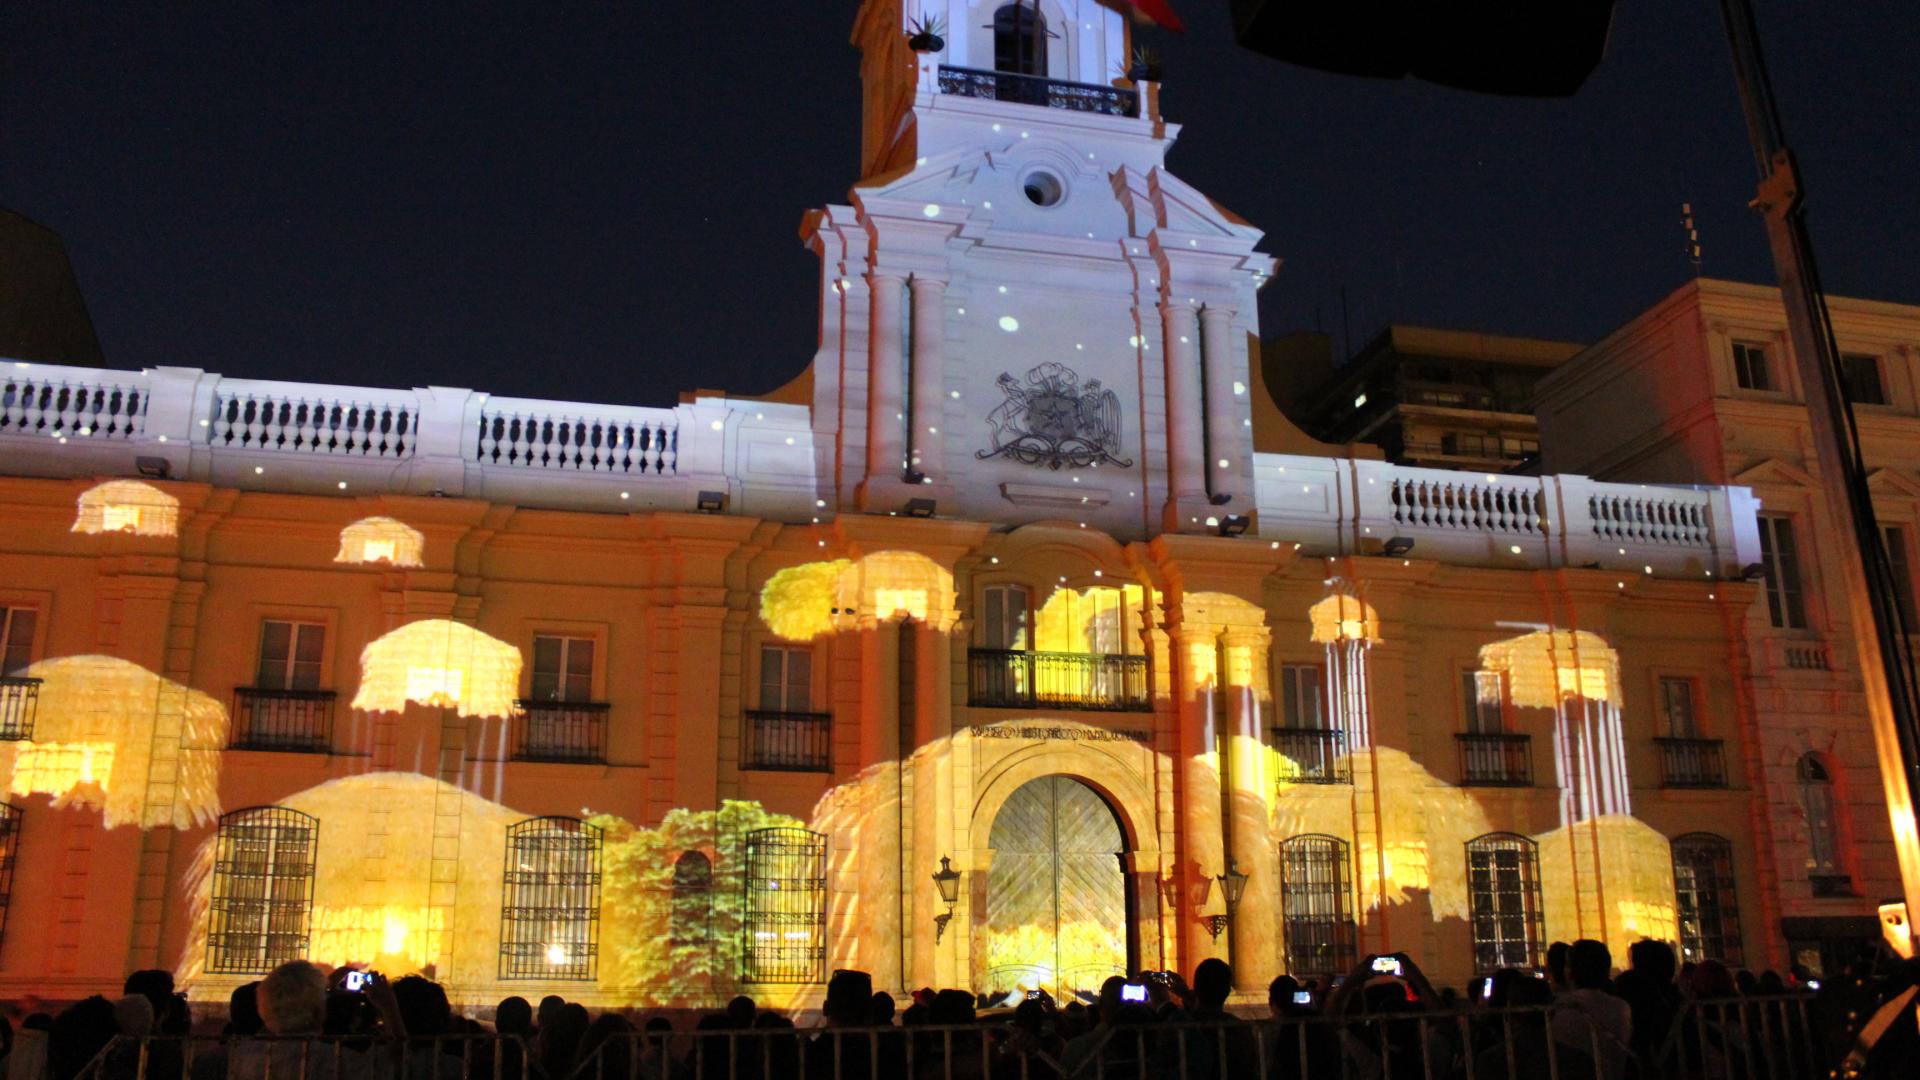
(1234,524)
(1220,498)
(153,468)
(1397,546)
(921,508)
(1753,572)
(710,502)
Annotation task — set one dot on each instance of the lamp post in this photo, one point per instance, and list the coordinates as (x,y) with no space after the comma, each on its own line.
(948,882)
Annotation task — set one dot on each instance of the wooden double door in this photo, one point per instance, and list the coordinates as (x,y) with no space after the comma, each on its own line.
(1058,914)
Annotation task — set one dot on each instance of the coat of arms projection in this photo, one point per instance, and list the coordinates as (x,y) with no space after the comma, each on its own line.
(1052,420)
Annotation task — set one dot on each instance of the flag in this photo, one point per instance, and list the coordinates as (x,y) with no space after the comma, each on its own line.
(1151,12)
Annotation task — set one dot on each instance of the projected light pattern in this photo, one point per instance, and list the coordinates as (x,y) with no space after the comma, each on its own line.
(380,539)
(1576,675)
(800,603)
(439,662)
(1101,619)
(127,506)
(113,735)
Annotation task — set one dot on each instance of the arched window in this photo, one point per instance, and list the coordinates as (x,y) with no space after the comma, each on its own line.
(786,906)
(1020,39)
(1826,867)
(1503,900)
(1317,904)
(1704,899)
(9,847)
(262,889)
(692,899)
(550,910)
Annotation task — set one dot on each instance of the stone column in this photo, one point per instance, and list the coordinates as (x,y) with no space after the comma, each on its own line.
(1202,855)
(929,376)
(931,780)
(1256,920)
(1186,450)
(876,944)
(885,453)
(1224,408)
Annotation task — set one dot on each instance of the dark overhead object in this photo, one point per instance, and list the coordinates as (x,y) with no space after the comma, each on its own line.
(1522,48)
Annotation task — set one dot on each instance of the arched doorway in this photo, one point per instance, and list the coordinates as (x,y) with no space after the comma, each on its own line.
(1057,900)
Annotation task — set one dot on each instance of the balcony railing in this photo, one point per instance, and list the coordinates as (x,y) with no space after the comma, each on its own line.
(19,701)
(1312,755)
(1016,679)
(562,731)
(1038,90)
(1495,759)
(1692,763)
(300,721)
(787,741)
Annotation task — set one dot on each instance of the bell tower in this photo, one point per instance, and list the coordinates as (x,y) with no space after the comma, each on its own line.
(1024,316)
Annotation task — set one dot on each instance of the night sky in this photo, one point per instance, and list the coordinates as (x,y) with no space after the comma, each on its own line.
(601,202)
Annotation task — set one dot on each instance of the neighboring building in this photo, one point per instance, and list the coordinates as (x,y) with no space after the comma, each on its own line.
(991,654)
(1703,388)
(42,316)
(1440,399)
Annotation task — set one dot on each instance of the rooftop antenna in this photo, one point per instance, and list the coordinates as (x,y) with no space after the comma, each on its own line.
(1692,248)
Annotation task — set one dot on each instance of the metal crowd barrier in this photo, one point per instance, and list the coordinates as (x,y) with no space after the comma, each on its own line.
(1771,1038)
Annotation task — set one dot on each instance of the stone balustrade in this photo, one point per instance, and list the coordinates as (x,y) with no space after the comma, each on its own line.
(187,424)
(1335,506)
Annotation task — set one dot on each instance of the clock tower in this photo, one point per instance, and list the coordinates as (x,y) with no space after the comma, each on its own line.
(1025,316)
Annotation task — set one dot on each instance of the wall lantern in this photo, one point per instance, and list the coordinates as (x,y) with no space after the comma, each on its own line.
(1233,884)
(948,882)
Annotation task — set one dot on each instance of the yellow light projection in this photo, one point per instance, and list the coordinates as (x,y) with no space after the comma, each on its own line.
(1344,617)
(111,734)
(803,602)
(798,603)
(127,506)
(380,539)
(1635,868)
(383,857)
(1545,667)
(442,663)
(1101,619)
(1427,823)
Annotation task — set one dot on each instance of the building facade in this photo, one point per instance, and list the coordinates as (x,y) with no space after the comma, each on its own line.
(1717,400)
(1439,399)
(987,654)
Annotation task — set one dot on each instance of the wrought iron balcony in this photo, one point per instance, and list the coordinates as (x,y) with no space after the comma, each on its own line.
(1038,90)
(19,702)
(1692,763)
(265,718)
(559,731)
(1017,679)
(1312,755)
(1495,759)
(787,741)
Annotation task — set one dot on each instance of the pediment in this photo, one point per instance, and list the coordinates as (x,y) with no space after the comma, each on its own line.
(1777,473)
(1888,481)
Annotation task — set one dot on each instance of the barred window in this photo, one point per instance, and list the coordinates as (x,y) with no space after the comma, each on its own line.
(550,907)
(1503,899)
(692,899)
(786,906)
(1704,897)
(1317,905)
(262,889)
(9,848)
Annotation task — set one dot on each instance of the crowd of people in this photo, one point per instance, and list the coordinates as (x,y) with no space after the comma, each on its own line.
(1578,1019)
